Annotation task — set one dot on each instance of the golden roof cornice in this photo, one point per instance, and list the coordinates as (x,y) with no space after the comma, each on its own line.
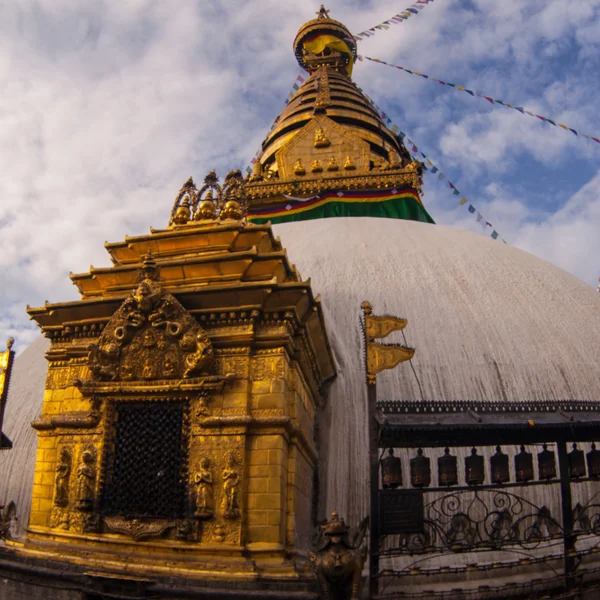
(274,189)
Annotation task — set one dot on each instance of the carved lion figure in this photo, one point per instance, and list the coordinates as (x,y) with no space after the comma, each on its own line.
(338,563)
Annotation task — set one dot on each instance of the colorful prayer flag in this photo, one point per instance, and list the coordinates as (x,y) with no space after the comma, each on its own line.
(396,204)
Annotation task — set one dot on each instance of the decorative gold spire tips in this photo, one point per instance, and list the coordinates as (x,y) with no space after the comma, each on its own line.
(211,202)
(380,357)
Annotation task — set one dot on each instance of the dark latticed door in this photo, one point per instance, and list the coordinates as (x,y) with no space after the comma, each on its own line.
(147,471)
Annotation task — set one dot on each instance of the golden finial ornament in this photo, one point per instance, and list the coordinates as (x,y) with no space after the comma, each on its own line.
(231,210)
(207,210)
(333,165)
(299,167)
(321,140)
(349,164)
(182,216)
(184,202)
(316,166)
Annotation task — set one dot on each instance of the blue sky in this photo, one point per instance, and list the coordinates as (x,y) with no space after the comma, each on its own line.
(107,107)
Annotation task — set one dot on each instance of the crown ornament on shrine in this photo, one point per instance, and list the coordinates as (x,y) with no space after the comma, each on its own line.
(212,202)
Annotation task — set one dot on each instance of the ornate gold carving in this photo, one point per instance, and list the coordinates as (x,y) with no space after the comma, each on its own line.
(211,201)
(86,480)
(231,480)
(323,94)
(203,410)
(186,197)
(203,480)
(139,529)
(338,562)
(61,479)
(342,142)
(268,368)
(333,165)
(260,192)
(151,336)
(60,518)
(321,140)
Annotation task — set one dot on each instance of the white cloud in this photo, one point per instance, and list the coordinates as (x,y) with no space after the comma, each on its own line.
(108,107)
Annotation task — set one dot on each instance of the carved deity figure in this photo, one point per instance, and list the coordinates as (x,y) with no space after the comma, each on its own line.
(203,480)
(170,366)
(321,140)
(316,166)
(338,562)
(231,481)
(299,168)
(333,165)
(86,475)
(61,480)
(197,360)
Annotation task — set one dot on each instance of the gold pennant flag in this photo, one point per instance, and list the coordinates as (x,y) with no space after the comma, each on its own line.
(382,326)
(386,356)
(383,356)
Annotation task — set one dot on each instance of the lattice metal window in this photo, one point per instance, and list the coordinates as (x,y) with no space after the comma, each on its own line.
(147,473)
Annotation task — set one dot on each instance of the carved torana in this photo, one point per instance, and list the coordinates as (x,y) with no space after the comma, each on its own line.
(150,337)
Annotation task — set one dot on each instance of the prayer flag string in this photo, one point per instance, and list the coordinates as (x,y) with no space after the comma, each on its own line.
(413,9)
(432,168)
(491,100)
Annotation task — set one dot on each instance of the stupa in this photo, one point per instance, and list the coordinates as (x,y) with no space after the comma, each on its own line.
(204,407)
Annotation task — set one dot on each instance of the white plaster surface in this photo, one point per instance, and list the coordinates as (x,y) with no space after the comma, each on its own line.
(25,396)
(489,322)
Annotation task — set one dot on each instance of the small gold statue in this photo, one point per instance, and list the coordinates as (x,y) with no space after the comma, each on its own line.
(61,481)
(299,167)
(349,164)
(316,166)
(231,479)
(333,165)
(203,480)
(86,475)
(321,140)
